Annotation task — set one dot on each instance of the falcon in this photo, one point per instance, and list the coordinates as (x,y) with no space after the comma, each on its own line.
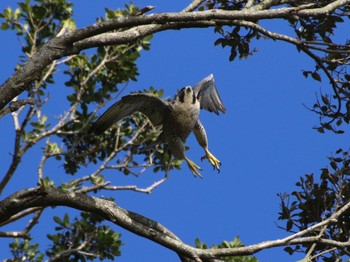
(178,118)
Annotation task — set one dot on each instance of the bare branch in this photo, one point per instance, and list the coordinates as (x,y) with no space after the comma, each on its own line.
(16,159)
(147,190)
(14,106)
(24,233)
(33,221)
(20,215)
(320,254)
(193,6)
(145,9)
(13,234)
(85,190)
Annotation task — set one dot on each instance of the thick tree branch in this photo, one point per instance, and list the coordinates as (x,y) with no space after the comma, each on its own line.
(63,45)
(145,227)
(43,197)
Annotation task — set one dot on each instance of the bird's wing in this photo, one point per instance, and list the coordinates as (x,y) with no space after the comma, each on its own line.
(208,95)
(150,105)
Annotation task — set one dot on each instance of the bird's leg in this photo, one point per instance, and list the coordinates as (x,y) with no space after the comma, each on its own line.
(167,166)
(212,159)
(202,139)
(193,167)
(177,148)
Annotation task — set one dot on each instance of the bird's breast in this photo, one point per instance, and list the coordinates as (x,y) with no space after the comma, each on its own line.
(182,120)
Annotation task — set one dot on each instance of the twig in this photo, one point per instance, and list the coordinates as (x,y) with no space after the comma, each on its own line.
(33,221)
(85,190)
(194,5)
(312,248)
(145,10)
(14,106)
(322,253)
(13,234)
(64,254)
(20,215)
(25,231)
(147,190)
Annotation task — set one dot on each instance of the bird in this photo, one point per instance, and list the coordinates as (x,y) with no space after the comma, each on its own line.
(177,118)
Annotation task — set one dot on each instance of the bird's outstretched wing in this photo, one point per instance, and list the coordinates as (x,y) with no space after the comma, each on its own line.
(150,105)
(208,95)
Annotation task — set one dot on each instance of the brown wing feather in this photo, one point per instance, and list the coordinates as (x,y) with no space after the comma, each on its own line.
(148,104)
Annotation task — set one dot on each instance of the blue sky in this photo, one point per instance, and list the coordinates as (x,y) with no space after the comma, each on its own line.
(265,140)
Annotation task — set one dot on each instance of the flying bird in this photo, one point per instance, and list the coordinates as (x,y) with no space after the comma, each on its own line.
(178,118)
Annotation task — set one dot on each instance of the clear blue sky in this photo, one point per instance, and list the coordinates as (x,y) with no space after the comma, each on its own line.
(265,140)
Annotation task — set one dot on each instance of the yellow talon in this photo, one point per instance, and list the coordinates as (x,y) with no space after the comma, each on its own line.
(212,159)
(193,167)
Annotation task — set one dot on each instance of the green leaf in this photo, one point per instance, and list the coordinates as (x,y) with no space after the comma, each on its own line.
(316,76)
(289,250)
(57,220)
(325,100)
(232,55)
(306,73)
(66,220)
(320,130)
(218,42)
(47,182)
(5,26)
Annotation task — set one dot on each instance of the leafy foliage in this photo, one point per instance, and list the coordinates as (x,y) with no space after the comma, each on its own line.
(79,240)
(23,249)
(83,239)
(316,200)
(38,22)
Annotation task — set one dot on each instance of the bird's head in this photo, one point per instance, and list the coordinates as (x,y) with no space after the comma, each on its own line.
(186,95)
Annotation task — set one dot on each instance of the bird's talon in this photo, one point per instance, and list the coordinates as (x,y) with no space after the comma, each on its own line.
(212,159)
(193,167)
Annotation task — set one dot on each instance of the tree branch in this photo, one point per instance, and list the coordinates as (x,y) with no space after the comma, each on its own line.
(61,256)
(145,227)
(64,45)
(20,215)
(14,106)
(147,190)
